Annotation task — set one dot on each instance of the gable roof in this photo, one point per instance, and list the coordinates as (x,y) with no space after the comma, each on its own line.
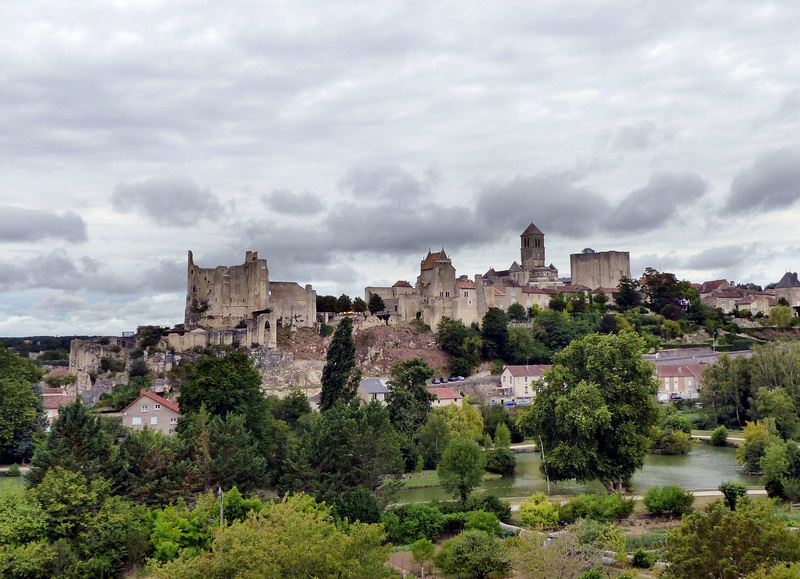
(155,398)
(445,393)
(680,370)
(402,283)
(532,230)
(788,280)
(465,285)
(373,386)
(515,267)
(535,370)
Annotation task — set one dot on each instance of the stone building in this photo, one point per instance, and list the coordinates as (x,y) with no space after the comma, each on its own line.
(599,269)
(788,288)
(239,303)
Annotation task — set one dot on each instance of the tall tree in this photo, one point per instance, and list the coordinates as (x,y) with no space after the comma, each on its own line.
(627,295)
(78,441)
(595,410)
(409,399)
(376,304)
(494,330)
(20,407)
(340,377)
(343,304)
(461,468)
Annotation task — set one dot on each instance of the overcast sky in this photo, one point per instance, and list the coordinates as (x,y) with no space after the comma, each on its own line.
(342,140)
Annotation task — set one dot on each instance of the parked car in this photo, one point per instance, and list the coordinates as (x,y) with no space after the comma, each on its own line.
(436,381)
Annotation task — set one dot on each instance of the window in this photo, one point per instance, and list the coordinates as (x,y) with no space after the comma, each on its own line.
(154,420)
(144,407)
(441,271)
(171,431)
(156,406)
(173,420)
(466,295)
(447,294)
(136,421)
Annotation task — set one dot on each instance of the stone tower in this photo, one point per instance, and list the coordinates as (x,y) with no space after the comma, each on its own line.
(532,249)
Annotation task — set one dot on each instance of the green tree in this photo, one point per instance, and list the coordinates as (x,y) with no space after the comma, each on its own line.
(536,556)
(474,553)
(20,407)
(757,435)
(517,312)
(78,441)
(409,400)
(343,304)
(719,436)
(464,422)
(524,348)
(726,391)
(668,499)
(293,538)
(422,551)
(432,439)
(500,459)
(340,377)
(627,296)
(780,316)
(537,511)
(494,331)
(733,492)
(595,410)
(661,289)
(719,543)
(376,304)
(359,305)
(461,468)
(558,303)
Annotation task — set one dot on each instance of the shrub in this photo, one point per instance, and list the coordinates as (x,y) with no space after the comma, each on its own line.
(602,536)
(605,508)
(537,511)
(483,521)
(671,498)
(325,330)
(13,470)
(720,436)
(501,461)
(490,504)
(460,367)
(496,367)
(642,559)
(418,521)
(732,491)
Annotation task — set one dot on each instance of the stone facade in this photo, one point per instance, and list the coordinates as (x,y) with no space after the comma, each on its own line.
(679,381)
(788,288)
(599,269)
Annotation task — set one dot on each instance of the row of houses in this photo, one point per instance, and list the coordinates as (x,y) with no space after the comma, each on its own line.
(518,383)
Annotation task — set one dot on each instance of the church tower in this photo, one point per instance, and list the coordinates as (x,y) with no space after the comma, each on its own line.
(532,248)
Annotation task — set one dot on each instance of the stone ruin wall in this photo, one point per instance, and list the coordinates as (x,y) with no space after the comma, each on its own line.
(600,269)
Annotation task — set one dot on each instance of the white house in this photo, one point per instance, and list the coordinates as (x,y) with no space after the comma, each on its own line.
(518,384)
(446,397)
(370,389)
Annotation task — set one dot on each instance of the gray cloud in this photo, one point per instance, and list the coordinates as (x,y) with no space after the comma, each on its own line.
(771,183)
(789,109)
(657,202)
(176,201)
(715,258)
(166,276)
(27,225)
(286,202)
(636,137)
(551,201)
(385,184)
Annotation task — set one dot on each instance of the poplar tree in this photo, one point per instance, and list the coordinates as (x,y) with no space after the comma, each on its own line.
(340,377)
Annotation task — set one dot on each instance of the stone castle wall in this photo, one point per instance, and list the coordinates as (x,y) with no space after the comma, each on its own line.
(600,269)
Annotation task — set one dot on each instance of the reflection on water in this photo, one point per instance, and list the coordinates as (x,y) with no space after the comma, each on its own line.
(703,468)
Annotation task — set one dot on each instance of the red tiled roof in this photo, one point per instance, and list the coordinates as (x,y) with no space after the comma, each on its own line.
(445,393)
(155,398)
(465,285)
(52,402)
(46,391)
(680,370)
(497,292)
(536,370)
(431,259)
(402,283)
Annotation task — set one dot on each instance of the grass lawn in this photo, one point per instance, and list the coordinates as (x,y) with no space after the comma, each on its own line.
(429,478)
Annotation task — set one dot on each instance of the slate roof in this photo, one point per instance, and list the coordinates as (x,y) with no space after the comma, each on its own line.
(373,386)
(788,280)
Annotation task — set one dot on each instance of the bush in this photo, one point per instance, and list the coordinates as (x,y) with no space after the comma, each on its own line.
(537,511)
(671,498)
(501,461)
(496,367)
(602,536)
(732,491)
(460,367)
(415,521)
(483,521)
(325,330)
(720,436)
(490,504)
(605,508)
(13,470)
(642,559)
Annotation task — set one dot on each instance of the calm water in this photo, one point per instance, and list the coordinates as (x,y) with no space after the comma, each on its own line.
(704,467)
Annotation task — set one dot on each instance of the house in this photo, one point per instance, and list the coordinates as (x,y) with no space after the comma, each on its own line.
(152,411)
(518,384)
(446,397)
(370,389)
(54,399)
(679,381)
(757,303)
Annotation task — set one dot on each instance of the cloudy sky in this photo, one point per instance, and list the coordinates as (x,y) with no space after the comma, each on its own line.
(342,140)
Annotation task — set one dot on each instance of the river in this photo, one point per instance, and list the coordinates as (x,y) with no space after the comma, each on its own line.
(704,467)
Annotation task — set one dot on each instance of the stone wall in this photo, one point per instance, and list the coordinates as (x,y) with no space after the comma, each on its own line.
(295,306)
(599,269)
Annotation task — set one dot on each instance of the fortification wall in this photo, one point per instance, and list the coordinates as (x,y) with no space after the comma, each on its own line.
(294,306)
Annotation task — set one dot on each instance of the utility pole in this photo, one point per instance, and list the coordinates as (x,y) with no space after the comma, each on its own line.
(544,463)
(221,515)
